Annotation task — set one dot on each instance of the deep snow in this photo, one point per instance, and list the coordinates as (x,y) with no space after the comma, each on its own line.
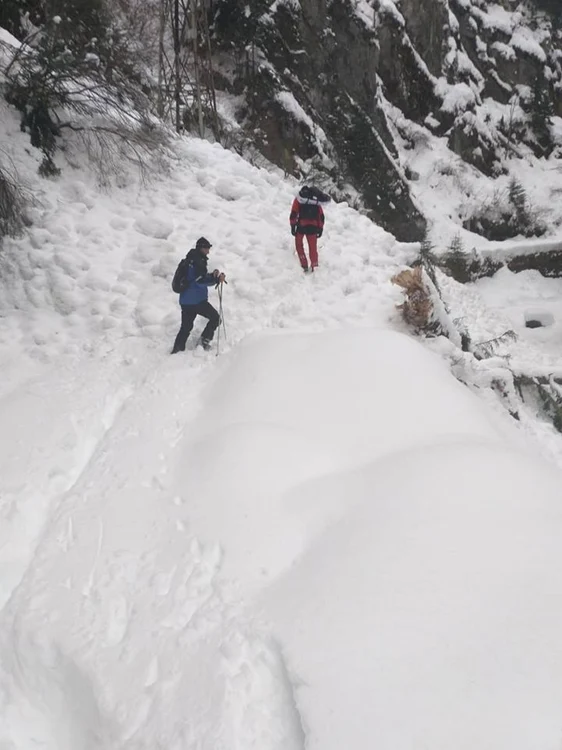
(318,539)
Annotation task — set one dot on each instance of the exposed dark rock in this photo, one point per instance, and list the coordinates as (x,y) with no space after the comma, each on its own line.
(427,24)
(538,318)
(329,56)
(467,267)
(467,141)
(406,83)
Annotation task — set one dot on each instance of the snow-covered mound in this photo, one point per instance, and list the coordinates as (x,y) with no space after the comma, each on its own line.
(431,612)
(310,550)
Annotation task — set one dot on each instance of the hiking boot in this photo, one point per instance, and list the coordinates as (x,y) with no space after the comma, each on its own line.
(205,343)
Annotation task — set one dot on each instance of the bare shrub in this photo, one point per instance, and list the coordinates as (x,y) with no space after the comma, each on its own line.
(59,86)
(109,146)
(12,202)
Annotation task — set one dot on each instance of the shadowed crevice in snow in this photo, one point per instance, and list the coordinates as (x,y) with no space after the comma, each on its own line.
(260,703)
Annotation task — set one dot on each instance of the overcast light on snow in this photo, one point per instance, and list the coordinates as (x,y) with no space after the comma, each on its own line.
(319,538)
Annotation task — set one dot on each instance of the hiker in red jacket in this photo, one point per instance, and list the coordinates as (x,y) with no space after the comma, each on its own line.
(307,218)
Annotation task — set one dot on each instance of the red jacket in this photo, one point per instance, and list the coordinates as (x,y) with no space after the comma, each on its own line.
(307,216)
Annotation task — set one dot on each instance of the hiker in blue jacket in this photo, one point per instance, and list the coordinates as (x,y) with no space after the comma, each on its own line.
(194,297)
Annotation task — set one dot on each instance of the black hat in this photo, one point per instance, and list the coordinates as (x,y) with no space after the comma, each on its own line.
(202,242)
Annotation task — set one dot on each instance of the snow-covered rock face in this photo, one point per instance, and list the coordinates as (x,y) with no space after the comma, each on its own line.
(328,82)
(427,23)
(311,96)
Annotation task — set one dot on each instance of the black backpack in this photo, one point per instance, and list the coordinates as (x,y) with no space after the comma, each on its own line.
(309,211)
(314,193)
(179,282)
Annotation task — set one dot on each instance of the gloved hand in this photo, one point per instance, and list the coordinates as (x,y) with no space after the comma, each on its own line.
(216,272)
(319,233)
(294,229)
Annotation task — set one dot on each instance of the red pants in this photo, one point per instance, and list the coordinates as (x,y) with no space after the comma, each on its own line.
(312,250)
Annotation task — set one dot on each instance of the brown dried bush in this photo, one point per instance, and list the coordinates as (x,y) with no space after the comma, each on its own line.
(417,308)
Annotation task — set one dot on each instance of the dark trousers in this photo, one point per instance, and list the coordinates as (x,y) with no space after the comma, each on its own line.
(188,315)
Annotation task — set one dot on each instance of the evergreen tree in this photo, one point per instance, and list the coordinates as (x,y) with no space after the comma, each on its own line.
(457,260)
(456,247)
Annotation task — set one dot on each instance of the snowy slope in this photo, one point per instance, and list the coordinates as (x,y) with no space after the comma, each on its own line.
(86,292)
(279,548)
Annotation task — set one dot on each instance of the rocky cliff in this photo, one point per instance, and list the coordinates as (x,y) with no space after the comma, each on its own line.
(331,90)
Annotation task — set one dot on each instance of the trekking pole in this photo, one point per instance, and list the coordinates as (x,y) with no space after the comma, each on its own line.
(219,332)
(221,313)
(221,319)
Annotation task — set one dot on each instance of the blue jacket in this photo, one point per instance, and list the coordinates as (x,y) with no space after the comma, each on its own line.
(198,279)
